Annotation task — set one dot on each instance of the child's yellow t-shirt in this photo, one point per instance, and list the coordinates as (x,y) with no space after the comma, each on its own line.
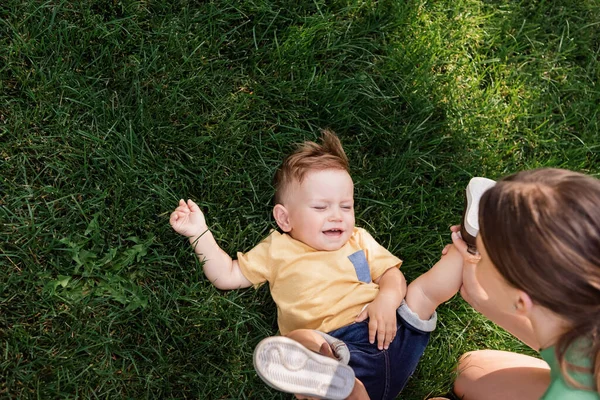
(322,290)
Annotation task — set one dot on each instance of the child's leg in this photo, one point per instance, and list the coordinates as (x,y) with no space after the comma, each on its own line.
(329,346)
(308,338)
(316,341)
(295,364)
(436,286)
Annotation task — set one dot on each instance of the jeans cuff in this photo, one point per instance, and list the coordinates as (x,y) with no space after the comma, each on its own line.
(339,348)
(412,318)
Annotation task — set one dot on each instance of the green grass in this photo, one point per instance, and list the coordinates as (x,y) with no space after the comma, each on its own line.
(110,111)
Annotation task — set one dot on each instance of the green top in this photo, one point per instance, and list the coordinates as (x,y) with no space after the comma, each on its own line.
(559,388)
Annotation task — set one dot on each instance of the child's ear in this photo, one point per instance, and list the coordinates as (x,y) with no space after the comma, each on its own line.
(282,217)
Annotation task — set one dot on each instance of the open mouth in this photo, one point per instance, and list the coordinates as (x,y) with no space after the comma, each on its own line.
(333,232)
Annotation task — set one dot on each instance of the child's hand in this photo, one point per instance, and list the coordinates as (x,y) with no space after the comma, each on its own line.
(188,220)
(382,320)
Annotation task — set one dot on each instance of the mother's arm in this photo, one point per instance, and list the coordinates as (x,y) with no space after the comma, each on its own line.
(476,296)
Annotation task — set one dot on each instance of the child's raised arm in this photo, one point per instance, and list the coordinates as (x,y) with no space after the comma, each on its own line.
(219,268)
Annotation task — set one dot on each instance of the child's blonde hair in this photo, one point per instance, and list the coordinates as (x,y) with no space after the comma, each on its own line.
(310,156)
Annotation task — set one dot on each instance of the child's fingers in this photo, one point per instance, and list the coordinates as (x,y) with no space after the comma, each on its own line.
(390,333)
(173,217)
(193,206)
(385,334)
(381,335)
(180,211)
(184,209)
(372,330)
(178,216)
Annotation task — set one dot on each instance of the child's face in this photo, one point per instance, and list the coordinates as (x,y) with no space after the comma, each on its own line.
(321,209)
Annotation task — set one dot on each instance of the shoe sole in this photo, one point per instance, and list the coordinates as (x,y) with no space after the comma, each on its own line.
(286,365)
(470,223)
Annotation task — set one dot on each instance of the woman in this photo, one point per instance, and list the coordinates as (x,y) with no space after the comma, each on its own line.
(538,276)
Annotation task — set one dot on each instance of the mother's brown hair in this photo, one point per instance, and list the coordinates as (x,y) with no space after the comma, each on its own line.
(541,229)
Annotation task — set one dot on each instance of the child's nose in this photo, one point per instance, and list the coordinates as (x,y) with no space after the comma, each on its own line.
(336,214)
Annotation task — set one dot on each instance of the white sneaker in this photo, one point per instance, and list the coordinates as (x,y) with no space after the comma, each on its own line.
(470,223)
(286,365)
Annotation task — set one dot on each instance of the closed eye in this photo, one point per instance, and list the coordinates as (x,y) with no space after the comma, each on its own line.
(319,207)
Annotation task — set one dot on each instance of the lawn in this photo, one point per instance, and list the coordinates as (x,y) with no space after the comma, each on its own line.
(112,110)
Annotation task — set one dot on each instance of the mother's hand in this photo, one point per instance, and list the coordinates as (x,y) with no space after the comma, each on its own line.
(470,290)
(476,296)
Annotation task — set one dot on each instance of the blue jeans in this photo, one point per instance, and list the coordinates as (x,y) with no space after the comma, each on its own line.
(384,372)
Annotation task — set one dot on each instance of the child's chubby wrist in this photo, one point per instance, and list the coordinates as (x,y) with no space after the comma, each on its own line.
(393,292)
(194,238)
(393,298)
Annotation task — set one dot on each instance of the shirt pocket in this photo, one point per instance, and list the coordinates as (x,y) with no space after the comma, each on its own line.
(361,266)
